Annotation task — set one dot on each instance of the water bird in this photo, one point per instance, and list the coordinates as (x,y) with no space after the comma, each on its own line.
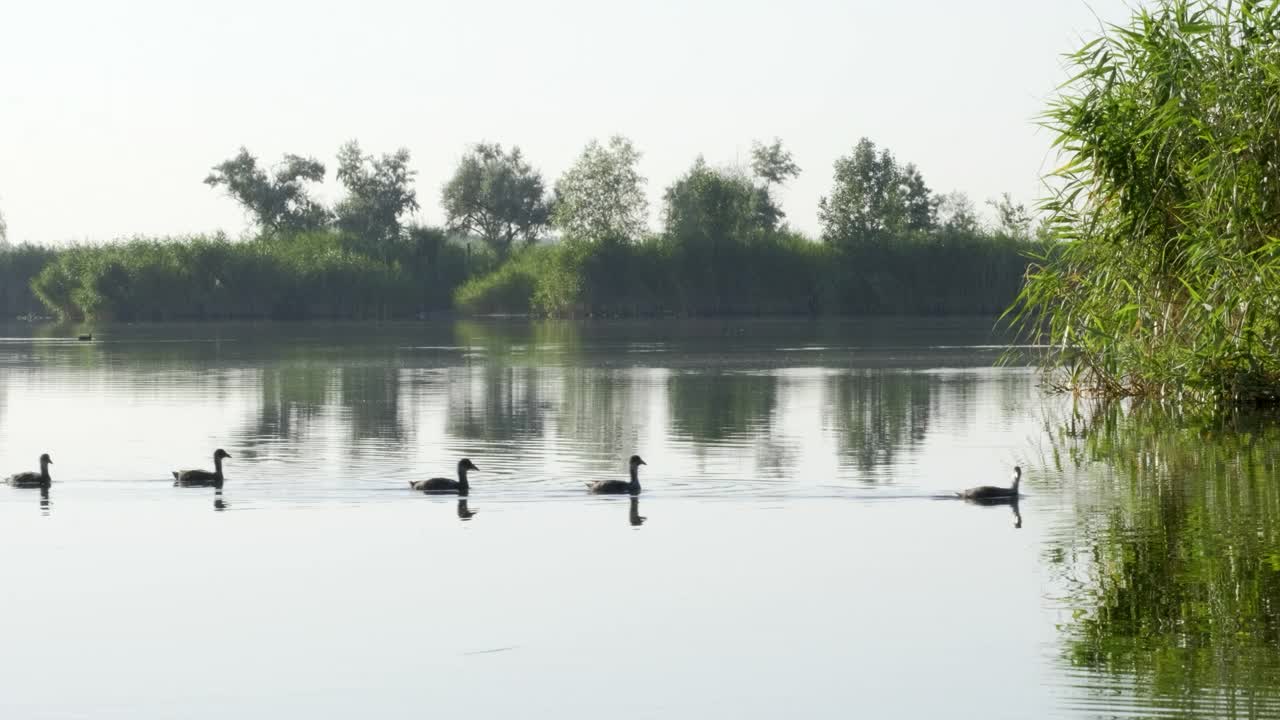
(202,478)
(992,493)
(33,479)
(440,485)
(86,336)
(618,487)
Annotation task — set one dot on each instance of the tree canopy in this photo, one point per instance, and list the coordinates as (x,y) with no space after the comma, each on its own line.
(379,191)
(707,206)
(875,198)
(601,197)
(497,195)
(277,201)
(772,163)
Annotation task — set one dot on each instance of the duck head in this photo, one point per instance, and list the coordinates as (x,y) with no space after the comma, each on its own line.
(637,461)
(466,464)
(220,454)
(44,459)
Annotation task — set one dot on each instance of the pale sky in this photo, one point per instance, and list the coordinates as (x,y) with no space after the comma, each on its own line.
(111,113)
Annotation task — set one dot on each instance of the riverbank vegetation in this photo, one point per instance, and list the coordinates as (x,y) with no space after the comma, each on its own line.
(516,244)
(1166,284)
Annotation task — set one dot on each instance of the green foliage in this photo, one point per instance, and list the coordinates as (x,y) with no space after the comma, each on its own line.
(1012,218)
(721,252)
(875,199)
(379,191)
(707,213)
(777,273)
(509,289)
(497,196)
(956,213)
(309,275)
(601,197)
(18,265)
(1167,285)
(772,164)
(279,202)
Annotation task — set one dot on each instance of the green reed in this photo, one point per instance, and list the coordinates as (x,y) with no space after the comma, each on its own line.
(1168,207)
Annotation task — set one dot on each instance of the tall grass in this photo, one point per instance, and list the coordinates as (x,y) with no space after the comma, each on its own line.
(311,275)
(1169,200)
(778,273)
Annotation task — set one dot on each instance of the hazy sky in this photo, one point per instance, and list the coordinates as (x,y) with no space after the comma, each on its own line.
(111,113)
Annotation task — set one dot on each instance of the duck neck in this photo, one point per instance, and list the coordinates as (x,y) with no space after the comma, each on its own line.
(635,478)
(463,487)
(44,470)
(1017,478)
(217,467)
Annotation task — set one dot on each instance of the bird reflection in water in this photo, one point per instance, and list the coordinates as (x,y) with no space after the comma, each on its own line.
(218,503)
(1012,502)
(465,513)
(44,500)
(636,519)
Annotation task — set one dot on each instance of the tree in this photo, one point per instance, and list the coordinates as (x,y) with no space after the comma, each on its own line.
(772,163)
(601,197)
(875,198)
(711,217)
(498,196)
(279,201)
(379,191)
(1012,218)
(712,207)
(956,213)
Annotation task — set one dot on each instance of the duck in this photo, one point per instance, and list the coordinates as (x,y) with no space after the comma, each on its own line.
(442,486)
(618,487)
(202,478)
(33,479)
(991,492)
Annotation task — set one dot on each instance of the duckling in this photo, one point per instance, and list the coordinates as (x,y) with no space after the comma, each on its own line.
(990,492)
(618,487)
(202,478)
(33,479)
(442,486)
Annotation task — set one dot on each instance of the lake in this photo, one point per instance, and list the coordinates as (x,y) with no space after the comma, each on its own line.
(793,553)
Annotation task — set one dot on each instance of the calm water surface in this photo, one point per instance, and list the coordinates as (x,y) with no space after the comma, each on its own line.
(789,555)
